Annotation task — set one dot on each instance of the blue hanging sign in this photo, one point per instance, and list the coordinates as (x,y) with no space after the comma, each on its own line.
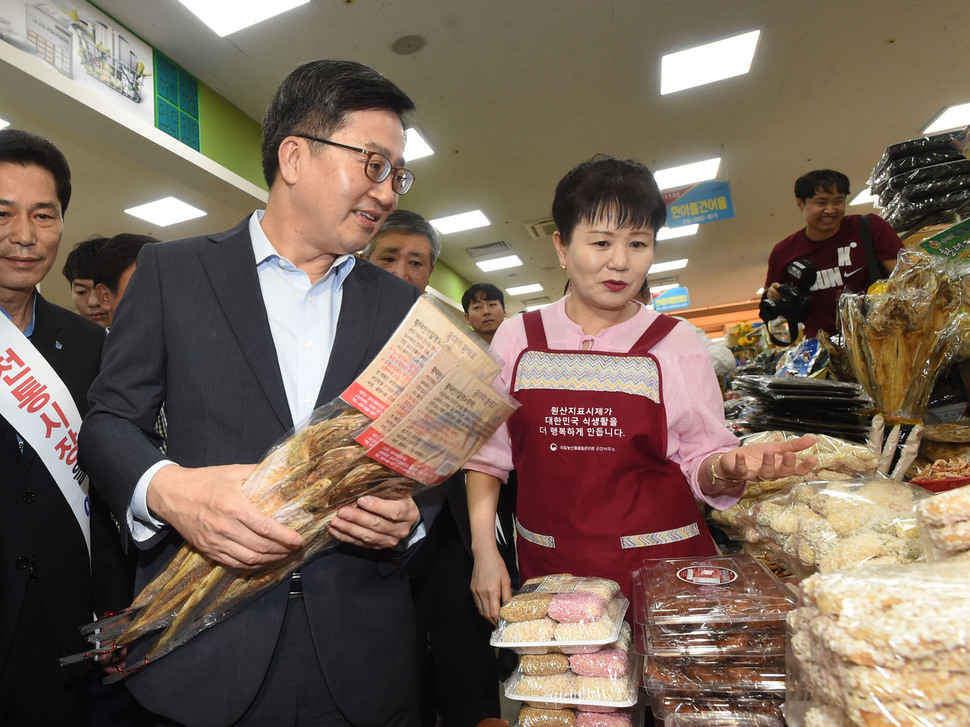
(672,299)
(698,203)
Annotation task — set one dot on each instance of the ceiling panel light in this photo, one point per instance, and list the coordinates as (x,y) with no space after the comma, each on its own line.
(415,147)
(460,222)
(864,197)
(228,16)
(687,173)
(952,117)
(670,233)
(499,263)
(523,289)
(165,212)
(4,123)
(708,63)
(538,306)
(668,266)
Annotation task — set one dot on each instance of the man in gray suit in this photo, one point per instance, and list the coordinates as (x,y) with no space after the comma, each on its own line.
(241,335)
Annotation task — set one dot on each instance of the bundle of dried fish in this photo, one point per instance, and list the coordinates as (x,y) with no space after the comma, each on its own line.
(300,483)
(899,339)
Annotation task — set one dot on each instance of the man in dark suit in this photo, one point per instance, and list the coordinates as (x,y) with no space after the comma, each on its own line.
(46,563)
(241,334)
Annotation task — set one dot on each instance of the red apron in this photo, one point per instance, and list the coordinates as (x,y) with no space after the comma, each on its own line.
(597,494)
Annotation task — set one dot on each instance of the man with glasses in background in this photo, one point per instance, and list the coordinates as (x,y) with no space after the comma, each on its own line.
(242,334)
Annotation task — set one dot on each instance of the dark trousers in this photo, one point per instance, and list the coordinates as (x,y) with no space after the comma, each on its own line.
(34,688)
(459,678)
(294,692)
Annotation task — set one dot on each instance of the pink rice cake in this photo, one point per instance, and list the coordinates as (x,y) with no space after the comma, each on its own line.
(600,719)
(612,663)
(578,607)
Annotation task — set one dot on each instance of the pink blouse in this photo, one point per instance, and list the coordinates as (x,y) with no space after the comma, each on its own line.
(691,397)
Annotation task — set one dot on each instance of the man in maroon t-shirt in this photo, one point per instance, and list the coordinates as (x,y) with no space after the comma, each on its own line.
(833,243)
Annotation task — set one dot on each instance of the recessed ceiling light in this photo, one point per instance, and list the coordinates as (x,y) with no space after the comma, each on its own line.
(460,222)
(670,233)
(530,308)
(708,63)
(499,263)
(523,289)
(165,212)
(952,117)
(228,16)
(668,266)
(4,123)
(864,197)
(415,146)
(687,173)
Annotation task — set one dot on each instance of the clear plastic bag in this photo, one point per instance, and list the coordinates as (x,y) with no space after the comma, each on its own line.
(944,525)
(881,646)
(826,526)
(898,340)
(838,459)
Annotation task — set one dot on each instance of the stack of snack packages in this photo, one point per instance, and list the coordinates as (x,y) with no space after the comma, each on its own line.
(882,647)
(888,646)
(713,634)
(923,181)
(577,666)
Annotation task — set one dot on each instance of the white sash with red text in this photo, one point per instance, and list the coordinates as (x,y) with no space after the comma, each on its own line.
(40,408)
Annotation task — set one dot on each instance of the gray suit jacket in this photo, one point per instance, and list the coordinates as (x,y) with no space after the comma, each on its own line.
(193,333)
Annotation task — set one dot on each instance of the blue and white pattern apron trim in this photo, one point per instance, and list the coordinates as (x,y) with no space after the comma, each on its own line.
(637,375)
(663,537)
(644,540)
(546,541)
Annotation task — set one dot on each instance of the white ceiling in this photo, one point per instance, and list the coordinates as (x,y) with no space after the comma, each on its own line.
(513,93)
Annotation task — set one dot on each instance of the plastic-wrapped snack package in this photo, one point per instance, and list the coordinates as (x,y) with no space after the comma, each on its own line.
(604,678)
(913,148)
(561,613)
(724,720)
(927,190)
(601,628)
(619,718)
(899,340)
(838,459)
(301,482)
(928,157)
(711,594)
(541,716)
(887,187)
(530,716)
(883,646)
(714,707)
(543,665)
(944,524)
(826,526)
(526,606)
(917,213)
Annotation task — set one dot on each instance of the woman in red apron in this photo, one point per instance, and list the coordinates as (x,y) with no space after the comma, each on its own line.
(621,429)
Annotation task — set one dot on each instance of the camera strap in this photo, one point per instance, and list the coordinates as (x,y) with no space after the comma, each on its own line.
(875,270)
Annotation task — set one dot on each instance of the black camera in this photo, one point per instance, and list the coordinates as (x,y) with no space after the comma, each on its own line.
(795,302)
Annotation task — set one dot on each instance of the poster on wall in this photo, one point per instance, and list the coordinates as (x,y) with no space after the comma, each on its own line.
(86,46)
